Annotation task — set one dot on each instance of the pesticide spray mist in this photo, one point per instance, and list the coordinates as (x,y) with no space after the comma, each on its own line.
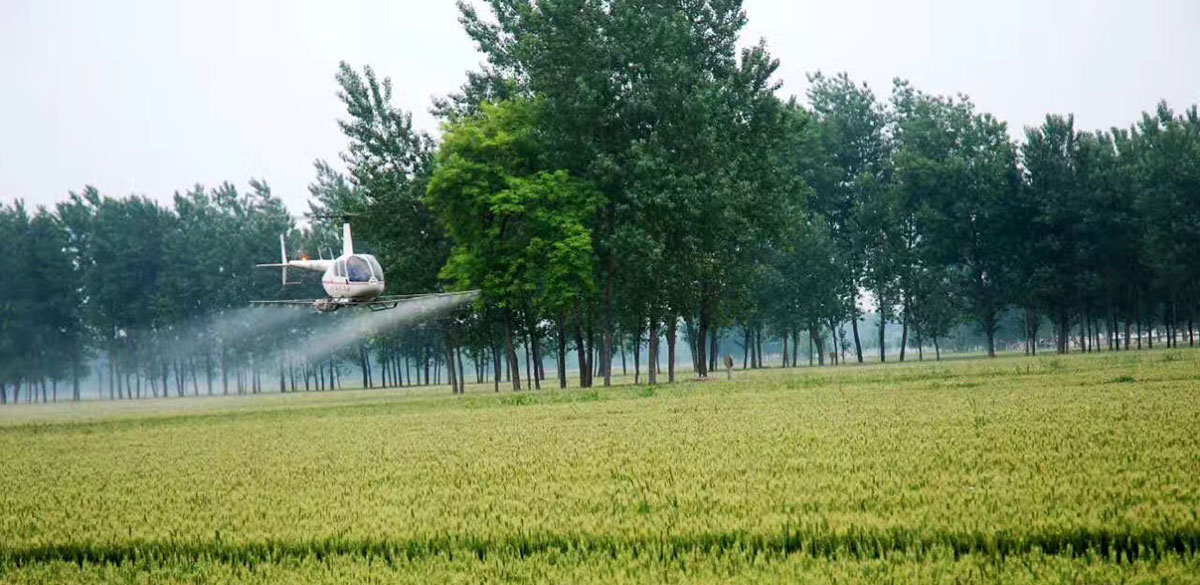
(345,328)
(239,350)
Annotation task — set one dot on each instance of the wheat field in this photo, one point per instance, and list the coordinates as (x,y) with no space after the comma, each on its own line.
(1081,468)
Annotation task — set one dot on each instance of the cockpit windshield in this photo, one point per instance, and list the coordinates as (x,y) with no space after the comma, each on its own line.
(357,269)
(376,269)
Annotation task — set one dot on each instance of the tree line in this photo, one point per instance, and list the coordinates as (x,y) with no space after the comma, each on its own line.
(619,176)
(615,171)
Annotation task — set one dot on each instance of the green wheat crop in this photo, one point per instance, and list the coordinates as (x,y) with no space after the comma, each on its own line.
(1064,469)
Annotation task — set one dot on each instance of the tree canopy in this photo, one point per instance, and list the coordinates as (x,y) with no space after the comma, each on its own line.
(616,175)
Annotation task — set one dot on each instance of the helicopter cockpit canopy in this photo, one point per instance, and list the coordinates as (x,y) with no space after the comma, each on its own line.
(363,267)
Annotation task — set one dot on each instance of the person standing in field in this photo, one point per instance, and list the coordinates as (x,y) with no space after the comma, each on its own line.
(728,367)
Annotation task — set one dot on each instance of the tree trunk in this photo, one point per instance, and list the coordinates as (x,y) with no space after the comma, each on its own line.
(857,343)
(1110,327)
(536,349)
(1031,329)
(814,336)
(362,365)
(882,328)
(462,382)
(538,367)
(451,371)
(1174,324)
(833,341)
(1063,324)
(581,353)
(511,353)
(208,371)
(701,338)
(758,347)
(745,345)
(595,363)
(606,357)
(637,355)
(672,327)
(528,363)
(989,326)
(785,350)
(562,352)
(497,368)
(937,350)
(652,356)
(903,336)
(425,357)
(689,336)
(713,348)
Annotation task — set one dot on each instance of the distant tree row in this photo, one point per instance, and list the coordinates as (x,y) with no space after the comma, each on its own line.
(145,300)
(618,176)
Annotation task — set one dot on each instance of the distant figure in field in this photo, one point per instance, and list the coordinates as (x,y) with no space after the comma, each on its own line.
(728,367)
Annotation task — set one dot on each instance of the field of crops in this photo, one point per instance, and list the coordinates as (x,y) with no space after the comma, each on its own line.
(1049,469)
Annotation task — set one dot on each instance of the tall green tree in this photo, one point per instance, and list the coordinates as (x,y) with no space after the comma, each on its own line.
(850,153)
(957,176)
(1168,156)
(520,228)
(1050,159)
(627,88)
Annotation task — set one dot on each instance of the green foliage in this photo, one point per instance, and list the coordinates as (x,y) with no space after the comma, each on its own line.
(956,181)
(616,169)
(42,336)
(521,231)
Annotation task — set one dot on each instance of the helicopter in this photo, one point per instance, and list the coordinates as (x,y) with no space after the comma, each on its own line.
(350,280)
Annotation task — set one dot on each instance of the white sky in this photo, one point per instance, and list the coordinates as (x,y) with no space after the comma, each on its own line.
(150,97)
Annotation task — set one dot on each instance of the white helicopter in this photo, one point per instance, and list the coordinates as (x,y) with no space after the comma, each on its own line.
(350,280)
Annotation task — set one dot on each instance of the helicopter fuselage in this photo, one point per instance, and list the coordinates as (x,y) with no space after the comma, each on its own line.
(348,279)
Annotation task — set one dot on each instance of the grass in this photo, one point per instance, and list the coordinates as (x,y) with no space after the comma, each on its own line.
(1064,469)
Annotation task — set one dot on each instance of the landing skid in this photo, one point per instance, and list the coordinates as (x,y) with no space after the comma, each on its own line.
(330,304)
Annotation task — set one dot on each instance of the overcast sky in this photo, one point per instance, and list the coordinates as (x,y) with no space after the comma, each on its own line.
(150,96)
